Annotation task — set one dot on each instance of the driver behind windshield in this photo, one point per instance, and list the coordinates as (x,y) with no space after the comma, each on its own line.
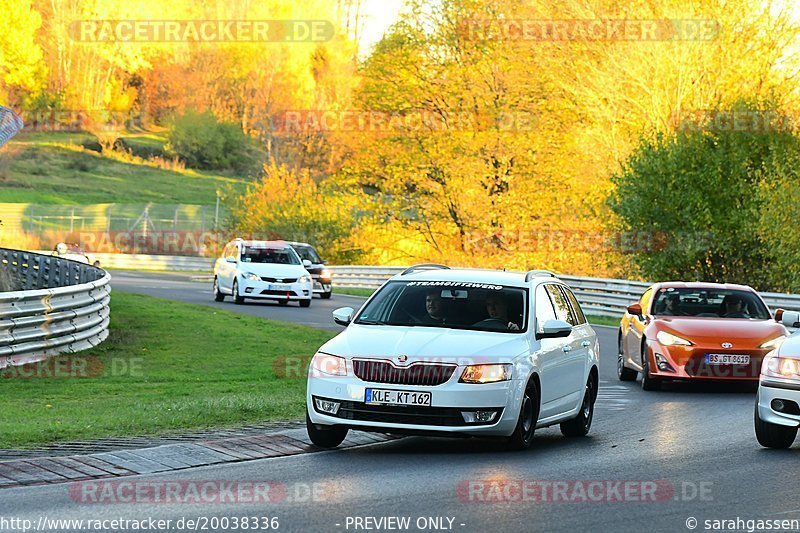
(497,309)
(733,307)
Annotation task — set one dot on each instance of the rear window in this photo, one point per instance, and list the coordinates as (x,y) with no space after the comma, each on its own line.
(709,303)
(257,254)
(454,305)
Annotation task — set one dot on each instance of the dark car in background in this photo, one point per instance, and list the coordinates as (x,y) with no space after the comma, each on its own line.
(320,274)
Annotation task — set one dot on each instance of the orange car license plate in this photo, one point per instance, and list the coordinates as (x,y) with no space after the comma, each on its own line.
(727,359)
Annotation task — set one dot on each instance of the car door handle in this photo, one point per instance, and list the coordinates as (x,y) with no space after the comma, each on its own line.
(567,348)
(586,344)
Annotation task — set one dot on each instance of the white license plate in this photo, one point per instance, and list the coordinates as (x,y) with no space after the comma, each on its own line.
(727,359)
(278,287)
(397,397)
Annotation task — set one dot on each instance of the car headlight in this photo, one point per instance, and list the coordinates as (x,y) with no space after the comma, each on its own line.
(325,273)
(332,365)
(486,373)
(305,279)
(774,343)
(250,275)
(780,367)
(668,339)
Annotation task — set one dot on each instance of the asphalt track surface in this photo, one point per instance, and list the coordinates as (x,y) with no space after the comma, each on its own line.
(653,461)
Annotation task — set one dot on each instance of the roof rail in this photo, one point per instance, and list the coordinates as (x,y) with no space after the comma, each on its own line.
(424,266)
(533,273)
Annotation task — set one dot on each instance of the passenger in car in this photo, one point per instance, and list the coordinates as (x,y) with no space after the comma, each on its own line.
(672,306)
(497,309)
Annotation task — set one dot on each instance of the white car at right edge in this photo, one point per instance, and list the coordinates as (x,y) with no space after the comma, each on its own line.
(458,352)
(777,412)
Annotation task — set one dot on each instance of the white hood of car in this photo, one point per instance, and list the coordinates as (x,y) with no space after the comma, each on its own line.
(273,270)
(425,343)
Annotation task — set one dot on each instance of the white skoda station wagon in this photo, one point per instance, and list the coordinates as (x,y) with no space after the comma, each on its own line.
(458,352)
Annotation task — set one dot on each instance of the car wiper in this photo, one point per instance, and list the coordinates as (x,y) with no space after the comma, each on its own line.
(371,322)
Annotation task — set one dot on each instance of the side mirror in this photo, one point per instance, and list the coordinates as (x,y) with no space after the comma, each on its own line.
(790,319)
(230,259)
(343,315)
(778,315)
(635,309)
(555,329)
(307,263)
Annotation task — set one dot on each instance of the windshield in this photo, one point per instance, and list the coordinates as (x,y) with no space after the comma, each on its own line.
(709,303)
(455,305)
(307,252)
(284,256)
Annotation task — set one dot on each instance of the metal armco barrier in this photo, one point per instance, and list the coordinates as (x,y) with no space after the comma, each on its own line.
(56,306)
(598,296)
(154,262)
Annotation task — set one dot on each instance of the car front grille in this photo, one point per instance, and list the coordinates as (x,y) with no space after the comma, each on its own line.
(278,280)
(266,292)
(415,374)
(390,414)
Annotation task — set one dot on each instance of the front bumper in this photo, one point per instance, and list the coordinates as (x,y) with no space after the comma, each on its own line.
(771,389)
(320,285)
(442,417)
(688,363)
(250,288)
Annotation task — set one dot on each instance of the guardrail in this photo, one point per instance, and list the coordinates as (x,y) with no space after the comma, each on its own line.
(57,306)
(597,296)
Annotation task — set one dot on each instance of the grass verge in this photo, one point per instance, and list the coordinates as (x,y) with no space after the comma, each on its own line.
(166,366)
(353,292)
(55,169)
(603,320)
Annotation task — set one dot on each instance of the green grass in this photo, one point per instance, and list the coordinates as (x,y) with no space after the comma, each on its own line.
(603,320)
(53,168)
(178,367)
(352,291)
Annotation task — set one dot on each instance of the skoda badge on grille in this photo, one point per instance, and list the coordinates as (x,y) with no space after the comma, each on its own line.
(402,358)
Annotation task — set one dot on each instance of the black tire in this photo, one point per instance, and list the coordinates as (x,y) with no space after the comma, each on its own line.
(218,296)
(649,383)
(305,303)
(325,438)
(283,302)
(623,373)
(326,295)
(522,438)
(237,298)
(581,424)
(771,435)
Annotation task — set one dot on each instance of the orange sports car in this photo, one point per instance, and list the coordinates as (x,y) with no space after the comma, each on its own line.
(696,331)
